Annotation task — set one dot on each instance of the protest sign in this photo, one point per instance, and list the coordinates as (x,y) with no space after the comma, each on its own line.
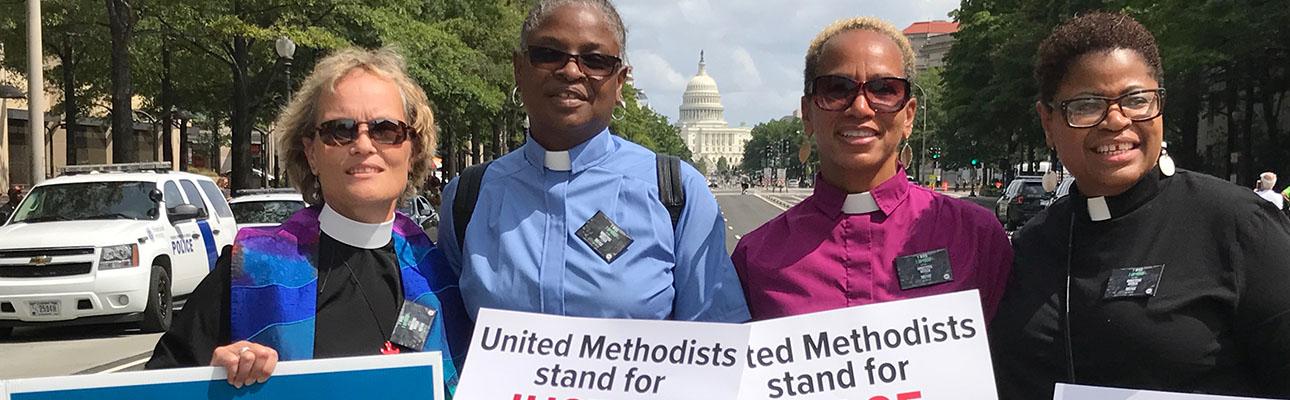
(524,356)
(927,348)
(413,376)
(1080,392)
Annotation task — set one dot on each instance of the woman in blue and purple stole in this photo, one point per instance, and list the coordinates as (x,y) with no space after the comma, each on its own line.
(335,278)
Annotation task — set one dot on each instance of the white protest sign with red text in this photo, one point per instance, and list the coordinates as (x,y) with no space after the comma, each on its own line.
(525,356)
(930,348)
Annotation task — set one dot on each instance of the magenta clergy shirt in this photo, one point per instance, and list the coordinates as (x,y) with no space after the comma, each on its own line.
(814,258)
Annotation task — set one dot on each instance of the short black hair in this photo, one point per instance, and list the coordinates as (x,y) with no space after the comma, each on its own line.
(1088,33)
(543,9)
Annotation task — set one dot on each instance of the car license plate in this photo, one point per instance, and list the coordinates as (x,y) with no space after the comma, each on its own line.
(44,308)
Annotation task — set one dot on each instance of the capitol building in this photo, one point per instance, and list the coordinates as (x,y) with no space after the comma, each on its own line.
(704,128)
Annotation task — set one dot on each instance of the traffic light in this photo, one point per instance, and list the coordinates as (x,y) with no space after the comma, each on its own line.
(975,162)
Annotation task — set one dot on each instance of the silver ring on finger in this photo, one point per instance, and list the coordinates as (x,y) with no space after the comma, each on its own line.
(243,350)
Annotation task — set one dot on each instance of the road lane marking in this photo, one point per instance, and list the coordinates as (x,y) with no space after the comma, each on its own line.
(118,365)
(127,365)
(769,201)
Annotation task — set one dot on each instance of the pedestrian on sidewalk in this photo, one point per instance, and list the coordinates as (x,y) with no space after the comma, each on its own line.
(11,205)
(1266,182)
(1146,276)
(866,226)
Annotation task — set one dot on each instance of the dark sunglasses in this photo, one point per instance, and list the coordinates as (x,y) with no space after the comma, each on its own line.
(591,64)
(837,93)
(339,132)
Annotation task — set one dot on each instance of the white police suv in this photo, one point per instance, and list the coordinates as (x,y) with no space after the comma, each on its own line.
(265,207)
(109,244)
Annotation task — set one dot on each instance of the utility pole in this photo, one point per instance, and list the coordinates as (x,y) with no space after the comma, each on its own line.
(35,92)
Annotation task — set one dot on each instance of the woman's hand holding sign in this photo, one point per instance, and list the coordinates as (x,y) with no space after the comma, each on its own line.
(245,362)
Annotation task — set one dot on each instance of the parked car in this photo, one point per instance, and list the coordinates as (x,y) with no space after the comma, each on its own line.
(1063,189)
(421,211)
(1022,199)
(265,207)
(110,244)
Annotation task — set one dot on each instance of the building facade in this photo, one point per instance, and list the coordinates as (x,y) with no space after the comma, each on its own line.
(704,128)
(931,41)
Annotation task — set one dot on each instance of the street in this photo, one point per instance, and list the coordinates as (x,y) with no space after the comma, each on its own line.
(54,351)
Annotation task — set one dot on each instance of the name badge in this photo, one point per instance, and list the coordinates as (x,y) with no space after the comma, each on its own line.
(413,325)
(604,236)
(924,269)
(1133,282)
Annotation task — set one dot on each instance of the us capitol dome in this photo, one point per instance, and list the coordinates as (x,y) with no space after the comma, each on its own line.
(703,125)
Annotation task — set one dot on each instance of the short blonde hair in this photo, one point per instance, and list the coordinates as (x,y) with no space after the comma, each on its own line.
(856,24)
(298,119)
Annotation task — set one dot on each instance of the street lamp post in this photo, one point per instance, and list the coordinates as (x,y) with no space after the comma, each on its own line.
(286,50)
(923,101)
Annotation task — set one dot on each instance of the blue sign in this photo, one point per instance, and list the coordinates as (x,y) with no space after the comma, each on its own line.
(412,376)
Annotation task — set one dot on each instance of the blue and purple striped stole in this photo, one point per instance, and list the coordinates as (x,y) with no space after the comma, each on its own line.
(273,288)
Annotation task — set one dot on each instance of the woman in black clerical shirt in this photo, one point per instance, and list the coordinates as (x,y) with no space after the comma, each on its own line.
(332,280)
(1147,276)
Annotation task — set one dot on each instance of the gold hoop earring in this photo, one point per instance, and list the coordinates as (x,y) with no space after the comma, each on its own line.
(906,154)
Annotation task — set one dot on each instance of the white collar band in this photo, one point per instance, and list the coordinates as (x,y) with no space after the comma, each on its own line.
(1097,209)
(354,233)
(558,161)
(859,203)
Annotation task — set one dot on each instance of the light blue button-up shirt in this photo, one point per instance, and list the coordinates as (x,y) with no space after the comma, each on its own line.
(522,252)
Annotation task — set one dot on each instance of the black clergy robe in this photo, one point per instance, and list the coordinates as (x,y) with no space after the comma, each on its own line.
(1218,321)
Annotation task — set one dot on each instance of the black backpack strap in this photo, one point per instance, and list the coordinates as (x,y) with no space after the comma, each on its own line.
(463,202)
(670,191)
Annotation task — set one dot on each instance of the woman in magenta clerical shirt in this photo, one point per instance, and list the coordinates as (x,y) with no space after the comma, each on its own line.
(866,232)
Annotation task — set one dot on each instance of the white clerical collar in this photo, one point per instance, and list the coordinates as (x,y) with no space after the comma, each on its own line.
(354,233)
(558,161)
(1097,209)
(859,203)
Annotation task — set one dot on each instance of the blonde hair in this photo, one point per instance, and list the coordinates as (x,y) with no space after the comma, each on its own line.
(857,24)
(299,119)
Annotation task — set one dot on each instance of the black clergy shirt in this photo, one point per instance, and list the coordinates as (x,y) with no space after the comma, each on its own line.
(1218,322)
(359,296)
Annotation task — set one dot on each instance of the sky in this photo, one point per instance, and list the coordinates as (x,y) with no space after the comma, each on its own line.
(754,49)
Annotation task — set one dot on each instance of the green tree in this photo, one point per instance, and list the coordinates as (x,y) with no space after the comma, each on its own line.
(775,144)
(929,123)
(78,44)
(1221,59)
(723,166)
(122,19)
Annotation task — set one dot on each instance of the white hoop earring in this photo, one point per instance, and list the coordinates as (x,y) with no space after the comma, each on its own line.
(515,98)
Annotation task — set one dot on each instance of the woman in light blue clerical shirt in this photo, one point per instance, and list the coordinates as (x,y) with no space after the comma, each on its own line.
(572,223)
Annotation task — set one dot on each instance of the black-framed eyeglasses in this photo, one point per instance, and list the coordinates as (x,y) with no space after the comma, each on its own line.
(591,64)
(339,132)
(1137,106)
(836,93)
